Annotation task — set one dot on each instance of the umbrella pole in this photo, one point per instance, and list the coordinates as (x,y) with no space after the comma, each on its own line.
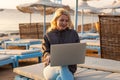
(82,22)
(44,23)
(30,19)
(76,16)
(92,21)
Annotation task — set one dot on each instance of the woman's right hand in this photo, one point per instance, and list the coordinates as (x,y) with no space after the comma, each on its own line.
(47,60)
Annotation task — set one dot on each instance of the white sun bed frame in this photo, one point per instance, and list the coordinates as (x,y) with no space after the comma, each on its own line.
(92,44)
(22,42)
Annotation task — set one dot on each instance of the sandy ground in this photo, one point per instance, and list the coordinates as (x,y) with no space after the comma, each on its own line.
(6,72)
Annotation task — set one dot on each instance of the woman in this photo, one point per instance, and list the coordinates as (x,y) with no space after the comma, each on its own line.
(60,32)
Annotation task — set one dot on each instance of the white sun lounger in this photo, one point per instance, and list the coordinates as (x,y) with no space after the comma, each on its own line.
(35,72)
(6,38)
(92,44)
(7,59)
(22,42)
(22,54)
(36,46)
(101,64)
(88,35)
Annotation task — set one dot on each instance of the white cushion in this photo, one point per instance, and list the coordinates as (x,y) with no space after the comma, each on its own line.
(17,52)
(4,57)
(36,46)
(26,41)
(101,64)
(33,71)
(91,74)
(91,42)
(29,40)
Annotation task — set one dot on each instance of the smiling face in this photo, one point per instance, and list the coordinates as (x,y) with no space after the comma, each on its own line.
(62,22)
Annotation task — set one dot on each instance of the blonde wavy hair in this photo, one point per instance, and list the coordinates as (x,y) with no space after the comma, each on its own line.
(58,13)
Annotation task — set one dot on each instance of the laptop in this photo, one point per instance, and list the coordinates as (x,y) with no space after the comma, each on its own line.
(67,54)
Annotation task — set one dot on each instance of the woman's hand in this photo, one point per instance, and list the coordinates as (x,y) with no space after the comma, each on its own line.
(47,60)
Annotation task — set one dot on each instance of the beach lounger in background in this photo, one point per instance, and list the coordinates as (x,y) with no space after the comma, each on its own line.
(9,38)
(7,59)
(93,44)
(88,35)
(22,42)
(35,72)
(3,39)
(22,54)
(36,46)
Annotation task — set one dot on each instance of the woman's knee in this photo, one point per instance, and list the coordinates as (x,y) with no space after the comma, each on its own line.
(50,73)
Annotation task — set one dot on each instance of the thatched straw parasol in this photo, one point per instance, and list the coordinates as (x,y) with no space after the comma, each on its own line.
(113,8)
(43,6)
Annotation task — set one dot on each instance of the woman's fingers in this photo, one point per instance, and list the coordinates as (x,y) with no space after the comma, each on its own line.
(47,60)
